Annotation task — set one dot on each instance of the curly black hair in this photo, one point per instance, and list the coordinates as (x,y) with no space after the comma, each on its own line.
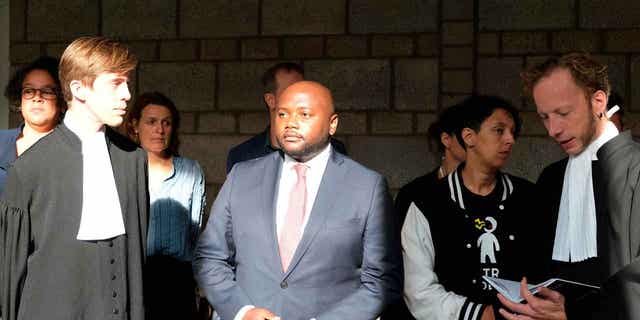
(13,90)
(448,120)
(477,108)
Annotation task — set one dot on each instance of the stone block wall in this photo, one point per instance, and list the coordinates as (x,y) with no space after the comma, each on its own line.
(392,65)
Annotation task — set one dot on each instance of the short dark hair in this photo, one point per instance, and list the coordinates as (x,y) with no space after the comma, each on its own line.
(477,108)
(13,90)
(160,99)
(447,122)
(269,77)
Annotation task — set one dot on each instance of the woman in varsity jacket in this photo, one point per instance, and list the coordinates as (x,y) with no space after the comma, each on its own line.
(476,222)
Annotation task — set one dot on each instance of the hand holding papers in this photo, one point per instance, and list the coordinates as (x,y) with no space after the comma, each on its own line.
(571,290)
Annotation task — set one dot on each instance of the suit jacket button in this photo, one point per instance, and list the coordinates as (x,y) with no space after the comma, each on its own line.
(284,284)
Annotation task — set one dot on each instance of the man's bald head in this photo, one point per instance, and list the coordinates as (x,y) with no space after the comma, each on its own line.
(311,89)
(305,119)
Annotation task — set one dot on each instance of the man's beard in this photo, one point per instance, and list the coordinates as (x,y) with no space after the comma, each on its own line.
(590,135)
(308,151)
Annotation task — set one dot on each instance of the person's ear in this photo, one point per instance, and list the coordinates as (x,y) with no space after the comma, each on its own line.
(78,90)
(445,139)
(333,124)
(599,103)
(469,137)
(270,100)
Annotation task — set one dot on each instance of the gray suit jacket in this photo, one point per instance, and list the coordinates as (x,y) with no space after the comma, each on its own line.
(347,265)
(619,227)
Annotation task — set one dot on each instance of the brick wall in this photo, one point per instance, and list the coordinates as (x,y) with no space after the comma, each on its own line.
(390,64)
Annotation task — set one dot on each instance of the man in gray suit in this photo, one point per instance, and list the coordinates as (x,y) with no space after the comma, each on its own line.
(305,233)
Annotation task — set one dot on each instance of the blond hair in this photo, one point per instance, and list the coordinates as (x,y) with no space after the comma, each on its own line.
(87,57)
(588,73)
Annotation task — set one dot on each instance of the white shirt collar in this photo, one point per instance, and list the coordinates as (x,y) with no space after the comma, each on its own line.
(71,122)
(610,131)
(315,163)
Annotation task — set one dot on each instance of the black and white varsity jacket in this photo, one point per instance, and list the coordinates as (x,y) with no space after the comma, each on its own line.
(452,237)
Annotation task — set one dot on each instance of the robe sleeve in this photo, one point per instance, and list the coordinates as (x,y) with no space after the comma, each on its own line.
(15,244)
(14,249)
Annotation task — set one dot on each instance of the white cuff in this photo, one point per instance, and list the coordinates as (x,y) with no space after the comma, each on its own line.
(242,312)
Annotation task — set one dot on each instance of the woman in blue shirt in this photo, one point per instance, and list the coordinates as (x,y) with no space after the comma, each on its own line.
(177,197)
(34,92)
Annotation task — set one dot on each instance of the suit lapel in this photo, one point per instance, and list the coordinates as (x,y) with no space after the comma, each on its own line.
(119,175)
(325,199)
(269,198)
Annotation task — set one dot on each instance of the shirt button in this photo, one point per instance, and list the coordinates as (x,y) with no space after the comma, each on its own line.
(284,285)
(110,243)
(112,261)
(113,277)
(511,237)
(501,207)
(114,294)
(473,281)
(116,311)
(468,246)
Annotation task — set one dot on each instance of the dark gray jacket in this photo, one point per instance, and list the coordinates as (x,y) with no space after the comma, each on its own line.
(619,228)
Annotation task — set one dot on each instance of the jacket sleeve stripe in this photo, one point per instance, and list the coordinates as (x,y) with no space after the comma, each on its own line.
(471,311)
(450,179)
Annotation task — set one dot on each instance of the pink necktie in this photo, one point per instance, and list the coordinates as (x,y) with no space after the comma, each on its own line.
(292,230)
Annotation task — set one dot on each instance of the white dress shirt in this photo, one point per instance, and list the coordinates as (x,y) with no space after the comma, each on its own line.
(288,179)
(101,213)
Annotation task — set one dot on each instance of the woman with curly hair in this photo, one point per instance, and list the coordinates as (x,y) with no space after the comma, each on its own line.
(34,92)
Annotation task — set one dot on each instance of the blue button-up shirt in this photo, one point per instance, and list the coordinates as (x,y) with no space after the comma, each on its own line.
(176,211)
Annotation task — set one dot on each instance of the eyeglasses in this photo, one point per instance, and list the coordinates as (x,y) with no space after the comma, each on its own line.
(45,93)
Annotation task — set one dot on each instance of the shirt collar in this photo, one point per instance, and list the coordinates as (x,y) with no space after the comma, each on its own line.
(72,124)
(318,161)
(610,131)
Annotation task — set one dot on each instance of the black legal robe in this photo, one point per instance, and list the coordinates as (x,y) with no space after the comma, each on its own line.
(590,271)
(616,181)
(45,272)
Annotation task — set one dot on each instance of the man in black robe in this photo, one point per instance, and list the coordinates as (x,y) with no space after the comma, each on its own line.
(587,224)
(73,218)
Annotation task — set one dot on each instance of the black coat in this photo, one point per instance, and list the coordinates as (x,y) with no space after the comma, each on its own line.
(616,178)
(549,192)
(45,272)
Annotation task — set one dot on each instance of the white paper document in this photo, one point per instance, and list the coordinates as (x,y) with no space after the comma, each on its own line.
(570,289)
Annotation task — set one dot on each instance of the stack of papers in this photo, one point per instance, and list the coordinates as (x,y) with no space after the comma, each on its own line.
(571,290)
